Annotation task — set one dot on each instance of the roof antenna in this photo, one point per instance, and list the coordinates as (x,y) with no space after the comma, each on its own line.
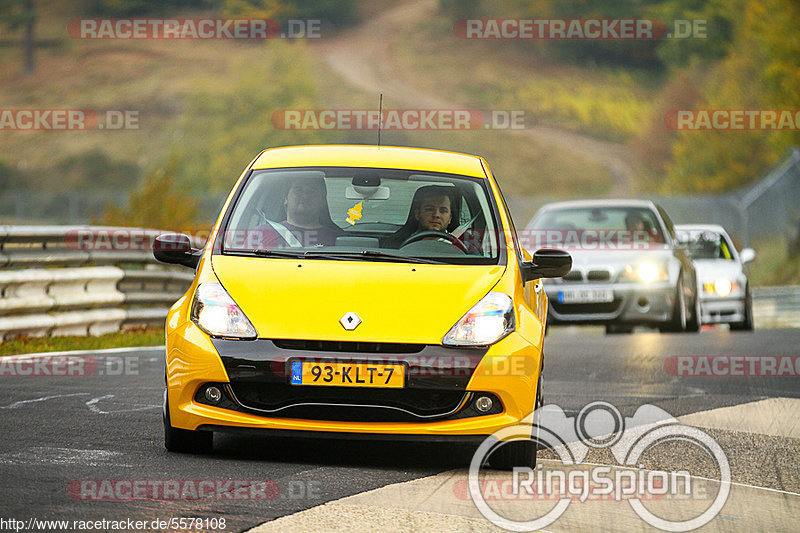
(380,119)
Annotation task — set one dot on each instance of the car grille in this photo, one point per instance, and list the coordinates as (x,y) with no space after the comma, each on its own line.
(574,275)
(342,346)
(598,275)
(587,308)
(347,403)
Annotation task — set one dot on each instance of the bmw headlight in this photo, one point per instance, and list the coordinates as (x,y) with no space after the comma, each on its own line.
(487,322)
(215,312)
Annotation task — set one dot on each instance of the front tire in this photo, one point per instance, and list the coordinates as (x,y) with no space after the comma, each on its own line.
(519,453)
(694,324)
(677,323)
(184,440)
(747,323)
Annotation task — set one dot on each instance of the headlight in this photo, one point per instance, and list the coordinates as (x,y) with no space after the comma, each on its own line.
(646,272)
(215,312)
(487,322)
(721,287)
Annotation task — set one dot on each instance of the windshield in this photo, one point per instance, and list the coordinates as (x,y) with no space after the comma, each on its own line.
(614,223)
(368,214)
(703,244)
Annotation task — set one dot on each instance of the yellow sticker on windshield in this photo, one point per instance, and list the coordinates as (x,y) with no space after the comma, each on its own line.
(354,213)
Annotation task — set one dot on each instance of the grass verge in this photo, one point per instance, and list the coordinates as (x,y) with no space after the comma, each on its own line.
(773,265)
(122,339)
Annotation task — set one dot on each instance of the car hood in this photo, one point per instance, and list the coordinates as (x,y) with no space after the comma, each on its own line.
(616,260)
(397,302)
(713,269)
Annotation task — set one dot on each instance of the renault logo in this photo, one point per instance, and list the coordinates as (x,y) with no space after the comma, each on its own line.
(350,321)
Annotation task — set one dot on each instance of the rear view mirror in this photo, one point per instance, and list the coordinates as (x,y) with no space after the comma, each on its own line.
(363,192)
(547,264)
(747,255)
(176,248)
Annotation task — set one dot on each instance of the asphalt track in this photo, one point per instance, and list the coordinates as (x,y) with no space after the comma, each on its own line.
(60,431)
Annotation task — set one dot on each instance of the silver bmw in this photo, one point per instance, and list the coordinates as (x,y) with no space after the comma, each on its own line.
(628,268)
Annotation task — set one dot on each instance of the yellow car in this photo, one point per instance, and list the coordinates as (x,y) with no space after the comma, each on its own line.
(351,291)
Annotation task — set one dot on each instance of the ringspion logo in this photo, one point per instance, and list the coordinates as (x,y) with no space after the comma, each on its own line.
(601,425)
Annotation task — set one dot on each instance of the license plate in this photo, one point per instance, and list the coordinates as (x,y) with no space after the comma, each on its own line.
(348,374)
(584,296)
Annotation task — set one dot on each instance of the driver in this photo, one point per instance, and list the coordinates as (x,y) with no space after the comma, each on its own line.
(434,211)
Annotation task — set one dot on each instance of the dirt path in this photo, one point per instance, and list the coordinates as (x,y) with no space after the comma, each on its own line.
(363,57)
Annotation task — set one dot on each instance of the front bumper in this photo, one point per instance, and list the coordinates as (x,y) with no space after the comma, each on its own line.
(509,370)
(633,303)
(722,310)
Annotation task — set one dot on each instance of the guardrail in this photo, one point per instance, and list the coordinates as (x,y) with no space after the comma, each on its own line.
(90,280)
(776,307)
(83,280)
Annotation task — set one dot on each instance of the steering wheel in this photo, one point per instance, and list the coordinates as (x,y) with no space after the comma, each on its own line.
(455,241)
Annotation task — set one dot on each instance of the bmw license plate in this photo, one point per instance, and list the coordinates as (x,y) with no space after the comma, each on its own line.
(347,374)
(586,296)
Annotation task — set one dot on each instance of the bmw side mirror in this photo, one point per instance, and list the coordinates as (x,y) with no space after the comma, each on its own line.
(176,249)
(547,264)
(747,255)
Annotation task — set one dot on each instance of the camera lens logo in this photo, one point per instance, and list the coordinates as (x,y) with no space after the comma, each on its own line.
(601,425)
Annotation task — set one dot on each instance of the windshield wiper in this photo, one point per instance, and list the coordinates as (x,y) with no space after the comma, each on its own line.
(308,254)
(370,254)
(343,256)
(275,253)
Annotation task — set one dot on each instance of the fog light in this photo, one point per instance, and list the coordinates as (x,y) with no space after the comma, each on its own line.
(483,404)
(213,394)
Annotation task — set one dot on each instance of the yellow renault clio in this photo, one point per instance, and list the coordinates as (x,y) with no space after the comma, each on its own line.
(358,291)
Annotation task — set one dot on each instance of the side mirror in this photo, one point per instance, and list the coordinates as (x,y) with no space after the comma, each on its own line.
(747,255)
(547,264)
(175,248)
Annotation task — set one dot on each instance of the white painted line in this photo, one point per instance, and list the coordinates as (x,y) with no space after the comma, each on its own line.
(82,352)
(92,405)
(777,417)
(42,399)
(745,485)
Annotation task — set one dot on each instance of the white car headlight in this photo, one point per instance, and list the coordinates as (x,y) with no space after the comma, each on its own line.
(487,322)
(215,312)
(720,287)
(723,286)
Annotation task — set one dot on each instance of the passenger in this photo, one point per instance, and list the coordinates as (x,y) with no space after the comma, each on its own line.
(307,222)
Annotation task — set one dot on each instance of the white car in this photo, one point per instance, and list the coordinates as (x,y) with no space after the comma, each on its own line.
(723,288)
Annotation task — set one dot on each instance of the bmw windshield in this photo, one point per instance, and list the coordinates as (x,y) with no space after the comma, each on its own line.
(364,214)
